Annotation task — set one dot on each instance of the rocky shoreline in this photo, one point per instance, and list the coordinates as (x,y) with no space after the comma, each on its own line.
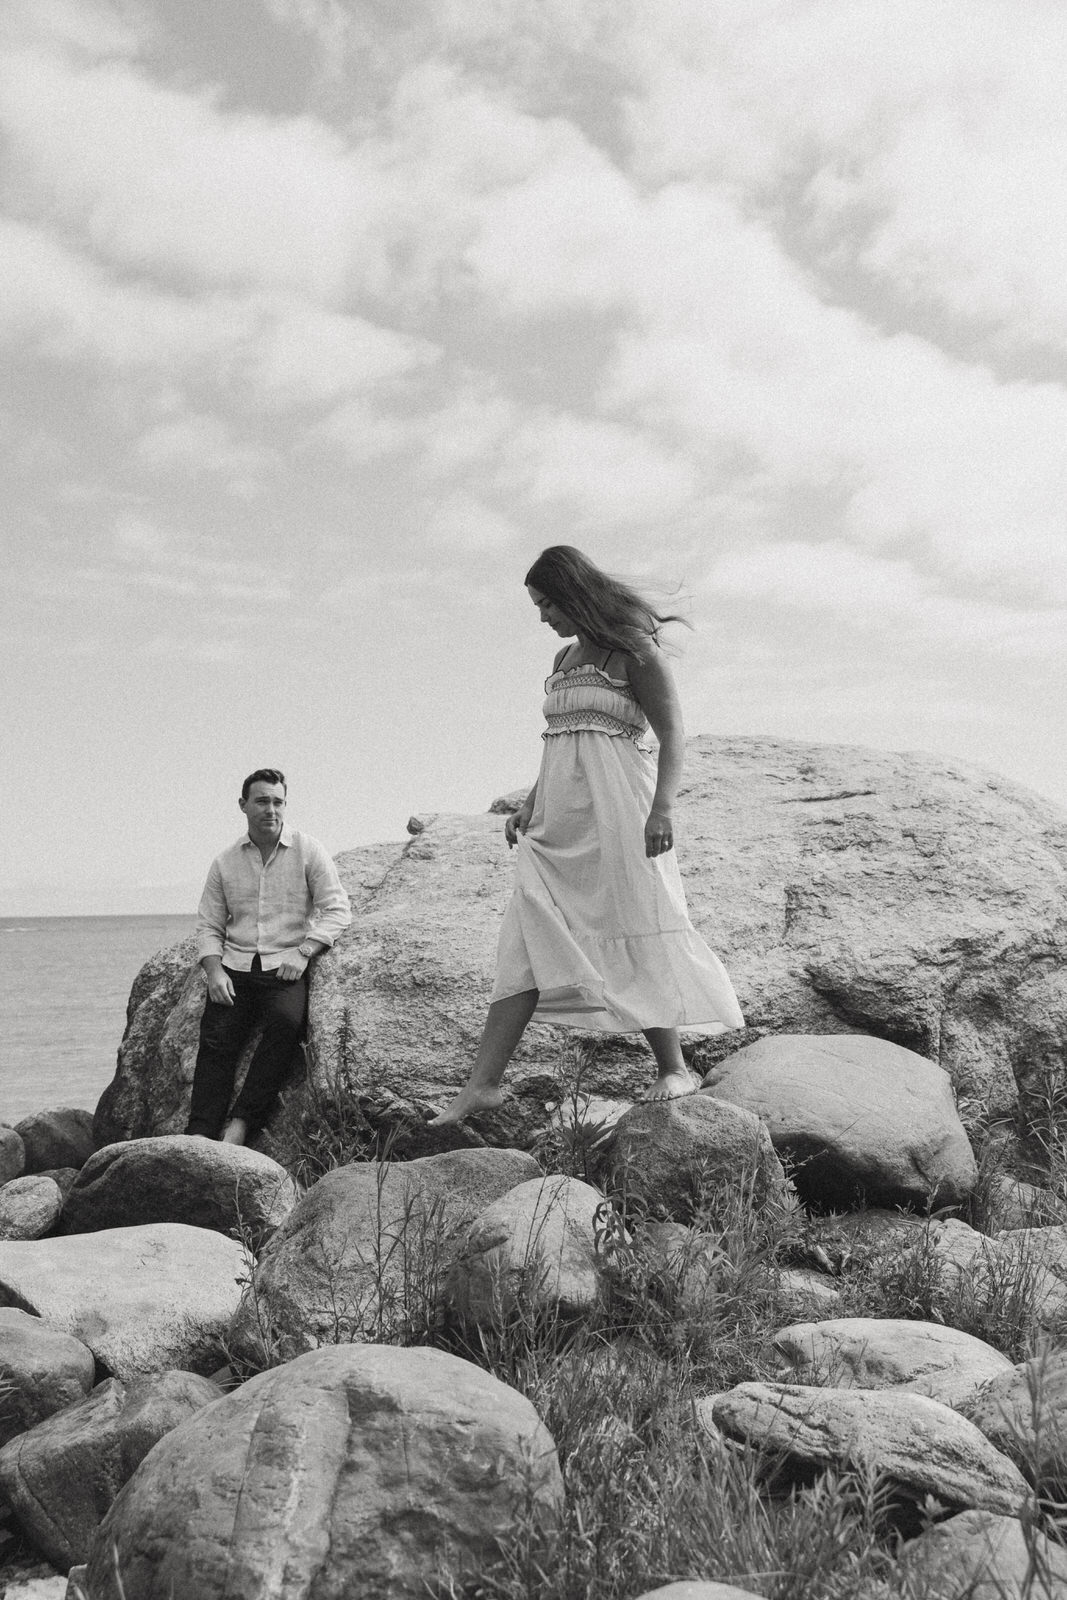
(333,1364)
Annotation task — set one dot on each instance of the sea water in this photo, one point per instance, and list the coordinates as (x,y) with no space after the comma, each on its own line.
(64,984)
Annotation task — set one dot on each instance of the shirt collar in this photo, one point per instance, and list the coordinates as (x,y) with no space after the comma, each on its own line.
(285,838)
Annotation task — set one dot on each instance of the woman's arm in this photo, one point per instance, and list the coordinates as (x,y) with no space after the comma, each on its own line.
(653,684)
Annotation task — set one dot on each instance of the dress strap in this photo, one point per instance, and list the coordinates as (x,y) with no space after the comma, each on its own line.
(607,658)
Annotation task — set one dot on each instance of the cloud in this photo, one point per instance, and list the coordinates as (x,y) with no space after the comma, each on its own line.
(886,596)
(162,179)
(201,443)
(468,527)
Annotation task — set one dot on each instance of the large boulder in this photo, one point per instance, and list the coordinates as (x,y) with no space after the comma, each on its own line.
(854,1118)
(363,1255)
(61,1137)
(41,1371)
(847,890)
(143,1299)
(356,1470)
(675,1157)
(887,1353)
(154,1077)
(918,1445)
(61,1477)
(184,1178)
(532,1252)
(29,1207)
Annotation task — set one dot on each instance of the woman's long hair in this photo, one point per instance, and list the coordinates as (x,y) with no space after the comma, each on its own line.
(609,612)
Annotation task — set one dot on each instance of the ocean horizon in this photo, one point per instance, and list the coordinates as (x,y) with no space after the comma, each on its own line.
(64,985)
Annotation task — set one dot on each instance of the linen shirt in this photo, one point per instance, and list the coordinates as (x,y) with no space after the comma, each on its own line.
(250,906)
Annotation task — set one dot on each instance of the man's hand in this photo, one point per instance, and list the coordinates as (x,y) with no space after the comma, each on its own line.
(294,966)
(219,987)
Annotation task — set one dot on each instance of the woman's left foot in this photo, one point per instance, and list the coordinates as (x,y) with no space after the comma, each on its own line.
(466,1103)
(235,1131)
(673,1085)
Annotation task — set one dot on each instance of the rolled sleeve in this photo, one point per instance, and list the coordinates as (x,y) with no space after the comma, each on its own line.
(212,916)
(331,911)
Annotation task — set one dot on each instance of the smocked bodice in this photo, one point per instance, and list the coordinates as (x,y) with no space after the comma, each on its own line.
(585,699)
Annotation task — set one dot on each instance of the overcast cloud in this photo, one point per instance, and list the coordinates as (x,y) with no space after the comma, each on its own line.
(320,318)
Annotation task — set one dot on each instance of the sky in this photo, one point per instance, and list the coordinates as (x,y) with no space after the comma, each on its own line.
(320,318)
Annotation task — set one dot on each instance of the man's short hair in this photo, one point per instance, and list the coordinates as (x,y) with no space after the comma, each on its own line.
(263,775)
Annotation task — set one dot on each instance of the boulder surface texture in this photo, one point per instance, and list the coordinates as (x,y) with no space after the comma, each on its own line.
(856,1119)
(846,889)
(980,1556)
(888,1353)
(917,1444)
(356,1471)
(672,1155)
(533,1250)
(41,1371)
(29,1207)
(1024,1413)
(143,1299)
(202,1182)
(366,1247)
(60,1137)
(61,1476)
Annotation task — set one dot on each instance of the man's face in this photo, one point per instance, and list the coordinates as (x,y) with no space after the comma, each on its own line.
(265,810)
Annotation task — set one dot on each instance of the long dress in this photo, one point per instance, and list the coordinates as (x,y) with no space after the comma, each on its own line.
(597,927)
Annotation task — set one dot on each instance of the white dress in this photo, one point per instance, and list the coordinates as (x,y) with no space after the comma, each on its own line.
(597,927)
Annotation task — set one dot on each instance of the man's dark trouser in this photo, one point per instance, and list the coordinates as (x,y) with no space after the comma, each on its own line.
(263,998)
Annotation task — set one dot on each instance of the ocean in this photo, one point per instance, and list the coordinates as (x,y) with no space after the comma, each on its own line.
(64,984)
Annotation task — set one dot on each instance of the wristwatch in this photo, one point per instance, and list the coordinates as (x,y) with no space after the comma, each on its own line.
(306,951)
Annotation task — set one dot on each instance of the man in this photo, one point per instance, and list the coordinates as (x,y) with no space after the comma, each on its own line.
(272,903)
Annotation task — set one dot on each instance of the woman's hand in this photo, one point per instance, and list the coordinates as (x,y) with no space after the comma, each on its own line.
(659,833)
(518,823)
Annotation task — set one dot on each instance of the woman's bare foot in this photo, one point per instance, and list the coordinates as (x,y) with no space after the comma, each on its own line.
(673,1085)
(466,1103)
(235,1131)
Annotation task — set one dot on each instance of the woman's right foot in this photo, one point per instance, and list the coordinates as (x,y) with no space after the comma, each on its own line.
(467,1102)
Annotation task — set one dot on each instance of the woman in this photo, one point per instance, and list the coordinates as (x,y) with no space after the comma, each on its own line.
(597,935)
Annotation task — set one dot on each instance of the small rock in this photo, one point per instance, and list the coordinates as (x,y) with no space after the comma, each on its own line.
(143,1299)
(672,1155)
(922,1447)
(1024,1413)
(699,1589)
(61,1476)
(971,1264)
(980,1556)
(533,1250)
(12,1154)
(29,1207)
(41,1371)
(62,1137)
(181,1178)
(887,1353)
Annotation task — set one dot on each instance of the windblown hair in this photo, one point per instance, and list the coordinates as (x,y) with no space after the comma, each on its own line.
(263,775)
(609,612)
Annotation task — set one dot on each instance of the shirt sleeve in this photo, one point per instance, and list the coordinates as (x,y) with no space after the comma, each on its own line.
(212,917)
(330,910)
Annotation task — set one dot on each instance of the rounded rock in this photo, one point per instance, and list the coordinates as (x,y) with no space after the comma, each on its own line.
(354,1470)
